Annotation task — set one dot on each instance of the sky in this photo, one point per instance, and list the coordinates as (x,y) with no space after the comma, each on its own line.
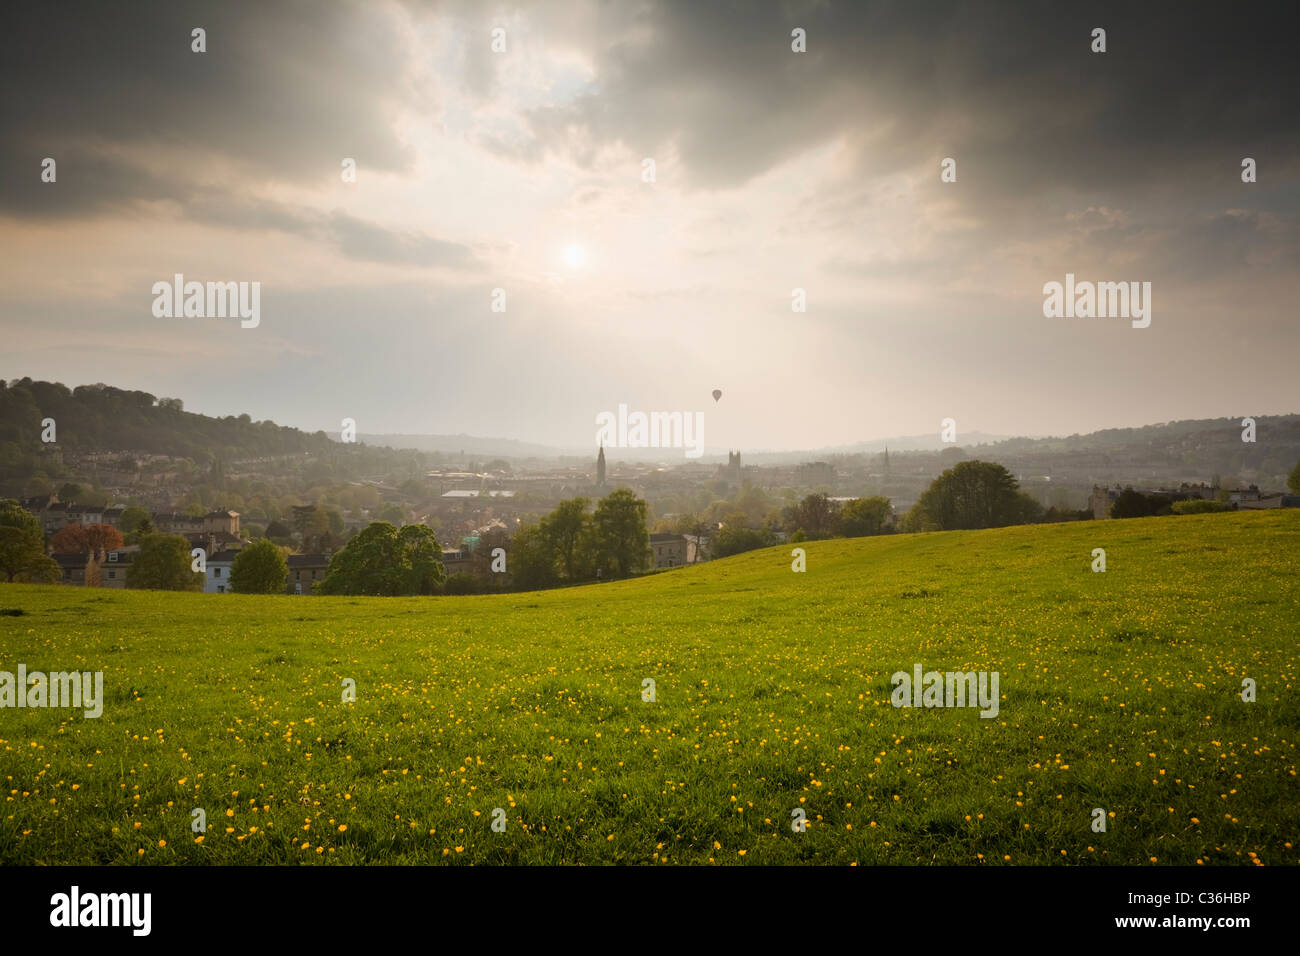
(523,170)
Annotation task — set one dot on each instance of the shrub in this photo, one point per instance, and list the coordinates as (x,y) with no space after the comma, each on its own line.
(1197,506)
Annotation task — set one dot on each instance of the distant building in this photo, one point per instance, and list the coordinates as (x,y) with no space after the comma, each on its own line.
(174,522)
(815,473)
(1100,501)
(669,550)
(217,522)
(113,567)
(733,467)
(81,570)
(600,467)
(37,504)
(1244,496)
(457,559)
(1270,501)
(54,516)
(213,541)
(304,571)
(85,514)
(217,580)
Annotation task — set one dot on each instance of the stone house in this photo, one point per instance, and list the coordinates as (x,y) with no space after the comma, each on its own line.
(305,570)
(668,550)
(80,570)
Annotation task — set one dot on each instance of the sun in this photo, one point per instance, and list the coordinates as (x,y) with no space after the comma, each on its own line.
(575,257)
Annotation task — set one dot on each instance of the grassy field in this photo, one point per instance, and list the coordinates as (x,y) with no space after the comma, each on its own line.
(1118,690)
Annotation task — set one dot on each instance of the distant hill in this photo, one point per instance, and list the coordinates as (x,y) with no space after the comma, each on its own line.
(92,418)
(930,442)
(1200,447)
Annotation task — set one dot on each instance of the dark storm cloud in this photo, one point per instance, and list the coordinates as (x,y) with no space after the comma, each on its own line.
(1038,124)
(89,181)
(1012,90)
(285,89)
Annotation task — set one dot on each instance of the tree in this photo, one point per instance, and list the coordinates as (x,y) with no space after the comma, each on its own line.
(816,515)
(259,569)
(70,492)
(1198,506)
(972,494)
(22,546)
(1134,504)
(163,564)
(310,522)
(279,532)
(132,518)
(734,539)
(143,530)
(864,516)
(385,561)
(532,561)
(619,536)
(753,502)
(324,543)
(1293,480)
(86,539)
(316,528)
(563,531)
(481,561)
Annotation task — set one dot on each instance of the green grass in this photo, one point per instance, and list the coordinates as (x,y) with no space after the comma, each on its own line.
(1119,690)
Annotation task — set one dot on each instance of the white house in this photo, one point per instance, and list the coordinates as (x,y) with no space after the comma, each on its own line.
(218,577)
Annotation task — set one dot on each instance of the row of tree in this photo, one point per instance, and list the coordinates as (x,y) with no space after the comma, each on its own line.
(813,517)
(572,544)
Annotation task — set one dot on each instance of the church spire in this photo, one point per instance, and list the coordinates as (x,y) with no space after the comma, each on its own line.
(600,466)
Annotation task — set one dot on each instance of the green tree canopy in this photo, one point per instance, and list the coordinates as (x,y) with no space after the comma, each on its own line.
(532,560)
(259,569)
(734,539)
(1134,504)
(382,560)
(22,546)
(619,536)
(132,518)
(142,530)
(563,531)
(864,516)
(163,564)
(1199,506)
(972,494)
(816,516)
